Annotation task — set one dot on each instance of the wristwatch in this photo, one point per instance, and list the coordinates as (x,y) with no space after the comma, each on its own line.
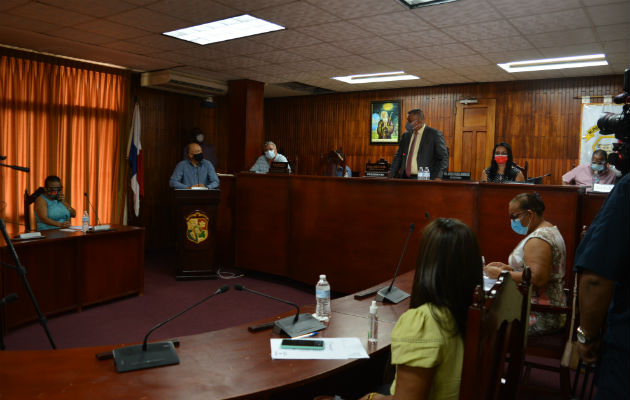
(584,338)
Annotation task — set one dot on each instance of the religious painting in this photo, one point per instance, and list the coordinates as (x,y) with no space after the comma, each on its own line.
(385,122)
(197,227)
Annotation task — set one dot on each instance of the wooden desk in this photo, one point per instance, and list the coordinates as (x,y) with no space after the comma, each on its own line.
(68,270)
(353,230)
(228,364)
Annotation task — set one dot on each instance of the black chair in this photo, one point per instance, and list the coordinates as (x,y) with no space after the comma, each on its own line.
(523,169)
(496,334)
(28,200)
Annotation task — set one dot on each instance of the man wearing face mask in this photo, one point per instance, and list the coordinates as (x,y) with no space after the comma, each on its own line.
(597,172)
(51,209)
(420,147)
(270,155)
(208,150)
(544,252)
(195,172)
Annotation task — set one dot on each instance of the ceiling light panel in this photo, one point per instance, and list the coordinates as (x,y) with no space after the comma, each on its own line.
(225,29)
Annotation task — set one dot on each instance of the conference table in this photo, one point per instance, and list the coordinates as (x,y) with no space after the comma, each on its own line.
(354,228)
(231,363)
(70,270)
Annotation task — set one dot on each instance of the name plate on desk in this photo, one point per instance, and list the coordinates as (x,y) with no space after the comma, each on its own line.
(376,170)
(602,188)
(456,176)
(30,235)
(277,167)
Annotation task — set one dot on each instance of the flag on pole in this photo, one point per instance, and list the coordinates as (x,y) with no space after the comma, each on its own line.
(134,151)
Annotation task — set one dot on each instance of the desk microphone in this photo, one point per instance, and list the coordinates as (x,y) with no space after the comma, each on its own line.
(11,297)
(93,209)
(143,356)
(17,168)
(392,293)
(298,325)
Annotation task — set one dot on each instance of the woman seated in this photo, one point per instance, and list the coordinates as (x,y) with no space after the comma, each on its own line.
(544,252)
(427,341)
(502,168)
(51,209)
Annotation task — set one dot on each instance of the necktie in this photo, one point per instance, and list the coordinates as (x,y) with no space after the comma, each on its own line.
(410,154)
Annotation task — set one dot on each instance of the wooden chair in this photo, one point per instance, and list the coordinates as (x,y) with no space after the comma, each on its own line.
(28,200)
(552,346)
(523,169)
(496,334)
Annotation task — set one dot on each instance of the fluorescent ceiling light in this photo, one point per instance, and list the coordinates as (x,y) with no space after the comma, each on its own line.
(423,3)
(379,77)
(225,29)
(592,60)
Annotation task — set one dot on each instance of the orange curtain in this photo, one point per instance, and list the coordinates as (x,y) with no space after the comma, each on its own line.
(61,118)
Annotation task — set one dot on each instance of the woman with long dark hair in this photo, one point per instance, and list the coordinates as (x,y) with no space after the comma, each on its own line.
(428,339)
(502,168)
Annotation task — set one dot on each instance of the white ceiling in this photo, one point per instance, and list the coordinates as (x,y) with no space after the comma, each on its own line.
(457,42)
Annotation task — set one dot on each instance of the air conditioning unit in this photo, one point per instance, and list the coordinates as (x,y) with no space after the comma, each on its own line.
(178,82)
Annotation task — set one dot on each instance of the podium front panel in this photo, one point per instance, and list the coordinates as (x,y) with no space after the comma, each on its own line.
(196,216)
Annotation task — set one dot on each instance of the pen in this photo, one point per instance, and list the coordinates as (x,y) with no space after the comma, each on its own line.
(305,336)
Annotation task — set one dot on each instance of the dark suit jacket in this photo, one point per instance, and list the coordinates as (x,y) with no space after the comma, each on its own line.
(432,153)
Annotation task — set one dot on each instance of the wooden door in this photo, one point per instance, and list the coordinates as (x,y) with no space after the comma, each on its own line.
(474,137)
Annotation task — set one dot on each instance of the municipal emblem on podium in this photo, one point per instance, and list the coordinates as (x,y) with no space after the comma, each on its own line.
(197,227)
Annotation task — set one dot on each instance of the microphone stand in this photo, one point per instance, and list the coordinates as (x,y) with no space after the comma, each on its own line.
(391,292)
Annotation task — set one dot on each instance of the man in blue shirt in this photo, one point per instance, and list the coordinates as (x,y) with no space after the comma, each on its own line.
(194,172)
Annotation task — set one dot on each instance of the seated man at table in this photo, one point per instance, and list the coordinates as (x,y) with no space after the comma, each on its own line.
(598,171)
(196,172)
(270,154)
(51,209)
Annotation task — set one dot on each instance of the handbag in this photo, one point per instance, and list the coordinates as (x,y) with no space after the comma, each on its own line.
(570,356)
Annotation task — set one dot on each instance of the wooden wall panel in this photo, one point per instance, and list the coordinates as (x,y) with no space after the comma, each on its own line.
(540,119)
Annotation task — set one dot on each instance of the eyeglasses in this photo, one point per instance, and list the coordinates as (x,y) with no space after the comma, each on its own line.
(54,189)
(517,216)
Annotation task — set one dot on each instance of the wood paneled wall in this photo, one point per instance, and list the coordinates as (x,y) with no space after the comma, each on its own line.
(167,119)
(540,119)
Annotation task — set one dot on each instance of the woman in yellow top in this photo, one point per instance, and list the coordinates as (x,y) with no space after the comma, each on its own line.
(428,339)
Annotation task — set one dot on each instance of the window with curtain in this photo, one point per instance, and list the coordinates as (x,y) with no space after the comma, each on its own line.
(63,118)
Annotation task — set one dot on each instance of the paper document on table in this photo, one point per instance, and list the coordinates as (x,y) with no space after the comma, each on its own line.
(73,228)
(334,349)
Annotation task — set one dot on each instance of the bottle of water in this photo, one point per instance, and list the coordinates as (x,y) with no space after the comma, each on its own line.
(420,173)
(373,323)
(427,174)
(322,295)
(85,222)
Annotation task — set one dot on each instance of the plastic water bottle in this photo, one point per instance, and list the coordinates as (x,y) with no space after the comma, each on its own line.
(85,222)
(373,323)
(420,173)
(427,174)
(322,295)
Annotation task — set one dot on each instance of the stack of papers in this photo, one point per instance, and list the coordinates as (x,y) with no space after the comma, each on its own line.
(334,349)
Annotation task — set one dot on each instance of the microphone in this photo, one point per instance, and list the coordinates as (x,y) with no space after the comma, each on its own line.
(11,297)
(3,157)
(93,209)
(300,324)
(15,167)
(143,356)
(392,293)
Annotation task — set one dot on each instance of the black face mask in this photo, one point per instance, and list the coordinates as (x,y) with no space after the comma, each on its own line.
(198,157)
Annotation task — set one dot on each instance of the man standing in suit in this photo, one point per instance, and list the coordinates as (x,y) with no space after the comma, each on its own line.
(426,147)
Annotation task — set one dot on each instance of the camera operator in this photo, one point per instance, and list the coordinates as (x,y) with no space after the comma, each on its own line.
(602,262)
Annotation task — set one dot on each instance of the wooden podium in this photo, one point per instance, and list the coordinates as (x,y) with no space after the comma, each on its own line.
(196,215)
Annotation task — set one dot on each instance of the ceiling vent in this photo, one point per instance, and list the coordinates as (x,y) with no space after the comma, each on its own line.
(174,81)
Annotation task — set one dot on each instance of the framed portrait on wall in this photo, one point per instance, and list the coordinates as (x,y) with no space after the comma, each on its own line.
(385,122)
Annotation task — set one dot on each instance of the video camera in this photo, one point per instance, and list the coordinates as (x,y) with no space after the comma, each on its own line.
(619,125)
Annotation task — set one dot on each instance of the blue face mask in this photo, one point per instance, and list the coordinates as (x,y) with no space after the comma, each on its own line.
(518,227)
(597,167)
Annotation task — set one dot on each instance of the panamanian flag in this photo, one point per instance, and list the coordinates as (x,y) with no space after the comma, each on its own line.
(134,152)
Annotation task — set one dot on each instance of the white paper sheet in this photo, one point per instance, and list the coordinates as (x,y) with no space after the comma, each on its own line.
(334,349)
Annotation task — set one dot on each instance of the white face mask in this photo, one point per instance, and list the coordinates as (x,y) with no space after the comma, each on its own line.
(270,154)
(199,138)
